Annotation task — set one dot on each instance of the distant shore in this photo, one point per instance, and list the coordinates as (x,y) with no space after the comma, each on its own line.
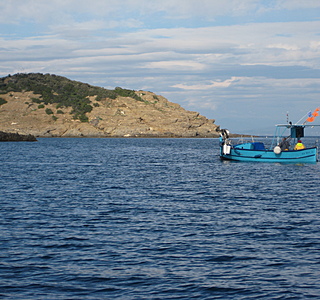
(16,137)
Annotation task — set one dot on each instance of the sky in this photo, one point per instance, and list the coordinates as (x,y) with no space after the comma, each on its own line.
(245,63)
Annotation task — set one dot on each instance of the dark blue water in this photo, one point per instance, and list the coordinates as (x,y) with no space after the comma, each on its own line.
(154,219)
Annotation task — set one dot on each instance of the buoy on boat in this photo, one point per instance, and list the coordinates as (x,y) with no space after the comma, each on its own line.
(277,150)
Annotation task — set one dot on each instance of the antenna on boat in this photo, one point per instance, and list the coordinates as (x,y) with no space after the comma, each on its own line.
(307,114)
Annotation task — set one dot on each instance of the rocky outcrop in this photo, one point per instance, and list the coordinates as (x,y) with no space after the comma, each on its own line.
(147,115)
(16,137)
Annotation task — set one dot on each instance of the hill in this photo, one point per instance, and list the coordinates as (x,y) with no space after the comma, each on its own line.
(48,105)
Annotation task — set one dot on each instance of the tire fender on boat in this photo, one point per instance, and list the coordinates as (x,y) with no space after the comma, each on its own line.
(277,150)
(226,149)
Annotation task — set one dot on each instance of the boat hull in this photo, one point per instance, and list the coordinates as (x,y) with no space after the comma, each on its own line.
(308,155)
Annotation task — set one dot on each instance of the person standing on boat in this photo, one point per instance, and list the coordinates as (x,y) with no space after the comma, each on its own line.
(284,144)
(299,146)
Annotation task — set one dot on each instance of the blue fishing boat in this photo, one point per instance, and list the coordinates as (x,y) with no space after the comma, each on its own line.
(279,151)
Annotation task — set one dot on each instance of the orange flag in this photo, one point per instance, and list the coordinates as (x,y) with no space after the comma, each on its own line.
(310,119)
(312,116)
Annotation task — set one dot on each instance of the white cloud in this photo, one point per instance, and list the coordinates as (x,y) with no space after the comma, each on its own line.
(284,46)
(175,65)
(41,11)
(202,56)
(214,84)
(69,11)
(189,49)
(297,4)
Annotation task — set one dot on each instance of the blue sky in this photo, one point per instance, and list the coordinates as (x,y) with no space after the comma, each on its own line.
(244,63)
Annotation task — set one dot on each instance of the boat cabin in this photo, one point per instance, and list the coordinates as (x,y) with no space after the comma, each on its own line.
(297,131)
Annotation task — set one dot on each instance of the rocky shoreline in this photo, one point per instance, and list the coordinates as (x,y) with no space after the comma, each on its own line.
(16,137)
(120,117)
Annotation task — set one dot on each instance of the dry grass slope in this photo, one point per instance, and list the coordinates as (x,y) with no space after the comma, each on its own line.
(87,111)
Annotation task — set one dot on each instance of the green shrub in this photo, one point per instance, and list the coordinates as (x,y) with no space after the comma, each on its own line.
(49,111)
(36,100)
(40,106)
(62,92)
(54,118)
(83,118)
(3,101)
(127,93)
(59,111)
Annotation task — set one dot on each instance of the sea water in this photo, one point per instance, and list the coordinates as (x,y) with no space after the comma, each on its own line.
(154,219)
